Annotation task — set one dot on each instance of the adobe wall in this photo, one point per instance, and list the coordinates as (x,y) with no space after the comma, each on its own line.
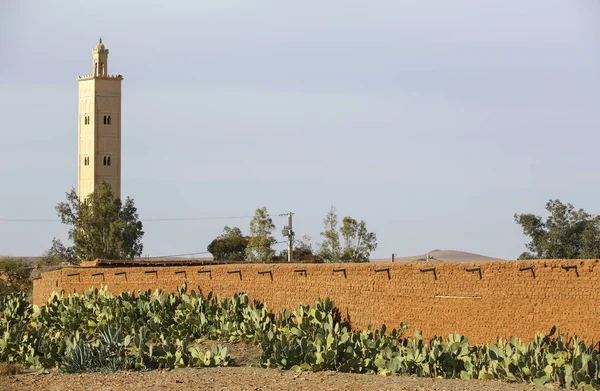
(503,302)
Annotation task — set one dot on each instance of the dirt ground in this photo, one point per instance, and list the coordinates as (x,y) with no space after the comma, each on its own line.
(244,375)
(244,379)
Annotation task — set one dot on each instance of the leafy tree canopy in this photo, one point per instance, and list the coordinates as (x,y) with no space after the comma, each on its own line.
(102,227)
(58,253)
(303,251)
(330,247)
(261,237)
(566,233)
(358,242)
(230,245)
(14,276)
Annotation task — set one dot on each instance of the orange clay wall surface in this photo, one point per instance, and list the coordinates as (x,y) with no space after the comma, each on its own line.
(503,301)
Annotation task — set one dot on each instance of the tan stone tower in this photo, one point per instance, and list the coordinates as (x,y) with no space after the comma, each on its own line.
(99,126)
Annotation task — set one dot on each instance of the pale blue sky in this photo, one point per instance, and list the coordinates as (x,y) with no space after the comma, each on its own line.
(434,121)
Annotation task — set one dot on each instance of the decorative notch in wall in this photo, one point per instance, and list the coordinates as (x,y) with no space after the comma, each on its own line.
(239,272)
(301,271)
(384,269)
(528,268)
(152,271)
(429,269)
(182,272)
(269,272)
(569,267)
(75,274)
(340,270)
(204,271)
(121,274)
(475,269)
(99,274)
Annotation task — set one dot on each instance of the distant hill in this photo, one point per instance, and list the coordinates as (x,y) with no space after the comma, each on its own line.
(30,260)
(442,256)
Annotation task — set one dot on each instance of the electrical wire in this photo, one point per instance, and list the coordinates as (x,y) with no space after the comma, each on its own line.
(23,220)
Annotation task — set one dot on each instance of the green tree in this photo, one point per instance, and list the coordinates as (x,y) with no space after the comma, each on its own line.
(567,233)
(330,247)
(58,253)
(358,242)
(303,251)
(261,237)
(102,227)
(14,276)
(230,245)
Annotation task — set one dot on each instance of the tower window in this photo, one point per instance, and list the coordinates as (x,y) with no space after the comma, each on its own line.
(108,119)
(104,120)
(86,161)
(105,160)
(108,161)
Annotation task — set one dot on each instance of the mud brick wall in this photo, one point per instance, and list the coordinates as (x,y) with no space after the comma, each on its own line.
(502,301)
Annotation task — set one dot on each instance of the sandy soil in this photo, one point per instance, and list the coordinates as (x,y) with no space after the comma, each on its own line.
(244,375)
(243,379)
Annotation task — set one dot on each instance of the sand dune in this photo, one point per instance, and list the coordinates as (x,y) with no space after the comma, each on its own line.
(441,256)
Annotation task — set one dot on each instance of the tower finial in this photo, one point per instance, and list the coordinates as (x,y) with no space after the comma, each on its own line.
(100,39)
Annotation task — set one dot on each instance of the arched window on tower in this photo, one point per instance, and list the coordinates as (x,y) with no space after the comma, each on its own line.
(109,119)
(95,68)
(104,120)
(104,161)
(102,70)
(108,161)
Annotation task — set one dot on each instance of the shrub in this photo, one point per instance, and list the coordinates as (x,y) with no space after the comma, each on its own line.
(98,331)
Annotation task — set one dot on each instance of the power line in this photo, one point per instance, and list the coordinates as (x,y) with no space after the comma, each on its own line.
(29,220)
(13,220)
(25,220)
(197,218)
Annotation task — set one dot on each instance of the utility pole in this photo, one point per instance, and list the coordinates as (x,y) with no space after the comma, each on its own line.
(290,238)
(287,231)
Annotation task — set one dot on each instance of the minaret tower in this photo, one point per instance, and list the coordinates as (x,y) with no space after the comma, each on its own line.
(99,126)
